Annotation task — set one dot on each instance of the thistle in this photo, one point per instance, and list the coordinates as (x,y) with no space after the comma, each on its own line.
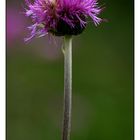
(62,18)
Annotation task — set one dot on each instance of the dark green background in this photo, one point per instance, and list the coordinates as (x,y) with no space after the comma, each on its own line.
(102,81)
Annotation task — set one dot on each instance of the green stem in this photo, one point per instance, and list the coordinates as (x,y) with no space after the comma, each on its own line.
(67,87)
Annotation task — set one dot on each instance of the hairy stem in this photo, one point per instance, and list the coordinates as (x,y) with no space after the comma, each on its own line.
(67,87)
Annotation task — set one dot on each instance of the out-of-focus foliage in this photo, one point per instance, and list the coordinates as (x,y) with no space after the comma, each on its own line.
(102,79)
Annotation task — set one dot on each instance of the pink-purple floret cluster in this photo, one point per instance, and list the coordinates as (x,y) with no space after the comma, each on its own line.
(45,14)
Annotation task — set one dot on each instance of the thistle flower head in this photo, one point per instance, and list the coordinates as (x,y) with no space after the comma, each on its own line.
(61,17)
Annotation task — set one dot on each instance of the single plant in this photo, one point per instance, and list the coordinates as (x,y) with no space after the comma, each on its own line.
(62,18)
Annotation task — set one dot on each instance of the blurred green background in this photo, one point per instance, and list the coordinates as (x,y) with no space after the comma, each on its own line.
(102,79)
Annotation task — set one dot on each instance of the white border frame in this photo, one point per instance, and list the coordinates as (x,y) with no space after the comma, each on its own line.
(137,70)
(2,71)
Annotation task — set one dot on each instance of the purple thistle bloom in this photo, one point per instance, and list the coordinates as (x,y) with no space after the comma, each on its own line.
(61,17)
